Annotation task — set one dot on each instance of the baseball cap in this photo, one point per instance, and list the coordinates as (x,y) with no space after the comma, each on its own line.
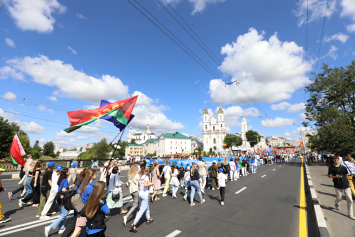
(188,164)
(59,167)
(106,164)
(219,159)
(214,161)
(50,164)
(220,170)
(193,162)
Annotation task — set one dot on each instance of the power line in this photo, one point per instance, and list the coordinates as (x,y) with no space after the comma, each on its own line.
(219,64)
(321,38)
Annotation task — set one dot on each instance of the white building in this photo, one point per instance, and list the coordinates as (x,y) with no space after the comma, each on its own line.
(141,137)
(214,131)
(56,148)
(171,144)
(134,150)
(195,145)
(68,155)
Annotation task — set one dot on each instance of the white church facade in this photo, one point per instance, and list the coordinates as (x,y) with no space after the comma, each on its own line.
(140,137)
(214,131)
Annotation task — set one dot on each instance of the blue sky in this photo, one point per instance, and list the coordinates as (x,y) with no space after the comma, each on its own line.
(58,56)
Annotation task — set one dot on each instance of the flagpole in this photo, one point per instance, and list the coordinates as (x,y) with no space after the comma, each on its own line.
(118,142)
(110,144)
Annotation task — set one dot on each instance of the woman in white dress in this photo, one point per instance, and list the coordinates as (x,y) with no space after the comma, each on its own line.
(114,188)
(174,182)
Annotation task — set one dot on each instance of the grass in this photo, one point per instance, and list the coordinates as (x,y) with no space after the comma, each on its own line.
(47,158)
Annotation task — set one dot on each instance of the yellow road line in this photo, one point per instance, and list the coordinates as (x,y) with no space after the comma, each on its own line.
(302,221)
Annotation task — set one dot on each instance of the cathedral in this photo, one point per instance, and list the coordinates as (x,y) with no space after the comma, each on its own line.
(140,137)
(214,131)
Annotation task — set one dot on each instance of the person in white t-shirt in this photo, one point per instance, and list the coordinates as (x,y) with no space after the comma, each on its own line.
(232,169)
(167,176)
(52,194)
(144,185)
(222,178)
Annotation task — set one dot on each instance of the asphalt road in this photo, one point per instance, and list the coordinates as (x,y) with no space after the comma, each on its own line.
(268,205)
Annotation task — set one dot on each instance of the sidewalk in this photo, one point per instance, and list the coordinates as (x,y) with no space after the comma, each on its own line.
(338,222)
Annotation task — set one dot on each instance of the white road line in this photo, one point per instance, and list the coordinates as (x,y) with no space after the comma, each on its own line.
(263,176)
(175,233)
(273,169)
(279,165)
(241,190)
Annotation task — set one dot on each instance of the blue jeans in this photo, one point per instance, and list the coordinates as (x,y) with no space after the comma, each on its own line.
(175,189)
(195,185)
(144,208)
(28,186)
(253,168)
(188,192)
(60,221)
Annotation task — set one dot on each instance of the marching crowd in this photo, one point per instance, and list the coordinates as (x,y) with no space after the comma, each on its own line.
(91,201)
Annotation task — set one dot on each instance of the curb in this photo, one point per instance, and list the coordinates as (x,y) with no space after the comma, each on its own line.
(321,224)
(17,176)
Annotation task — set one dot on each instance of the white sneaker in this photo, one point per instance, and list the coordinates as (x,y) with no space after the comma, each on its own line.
(164,195)
(124,220)
(203,191)
(46,230)
(222,203)
(61,231)
(71,211)
(38,216)
(52,213)
(35,205)
(20,203)
(44,218)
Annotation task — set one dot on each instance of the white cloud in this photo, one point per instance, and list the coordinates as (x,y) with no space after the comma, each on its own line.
(80,16)
(82,138)
(232,115)
(52,98)
(70,82)
(296,133)
(28,127)
(271,70)
(278,122)
(340,36)
(332,52)
(147,112)
(302,116)
(9,96)
(72,50)
(348,9)
(316,10)
(281,106)
(198,5)
(10,42)
(90,106)
(296,108)
(34,14)
(42,107)
(7,71)
(62,135)
(50,111)
(196,81)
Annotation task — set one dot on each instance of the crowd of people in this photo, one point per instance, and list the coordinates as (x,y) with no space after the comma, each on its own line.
(91,201)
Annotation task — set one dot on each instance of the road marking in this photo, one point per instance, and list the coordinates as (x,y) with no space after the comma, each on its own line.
(279,165)
(302,231)
(241,190)
(263,176)
(175,233)
(273,169)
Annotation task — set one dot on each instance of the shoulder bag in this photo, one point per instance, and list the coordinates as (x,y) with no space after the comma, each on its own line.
(23,180)
(115,197)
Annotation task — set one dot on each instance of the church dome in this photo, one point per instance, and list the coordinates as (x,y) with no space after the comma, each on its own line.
(148,129)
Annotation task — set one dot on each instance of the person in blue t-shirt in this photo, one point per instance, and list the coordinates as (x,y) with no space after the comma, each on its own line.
(248,160)
(95,214)
(63,186)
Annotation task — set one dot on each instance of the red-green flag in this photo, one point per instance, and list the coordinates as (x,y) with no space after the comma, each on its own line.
(17,151)
(120,110)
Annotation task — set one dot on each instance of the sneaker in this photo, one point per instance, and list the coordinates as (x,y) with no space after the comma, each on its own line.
(203,191)
(9,194)
(71,212)
(35,205)
(5,219)
(20,203)
(44,218)
(38,216)
(61,231)
(222,203)
(337,206)
(125,220)
(46,230)
(127,184)
(52,213)
(352,217)
(232,180)
(203,200)
(185,188)
(184,198)
(192,204)
(29,203)
(164,195)
(212,189)
(174,196)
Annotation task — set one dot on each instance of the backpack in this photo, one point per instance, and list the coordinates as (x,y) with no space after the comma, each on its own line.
(64,197)
(77,203)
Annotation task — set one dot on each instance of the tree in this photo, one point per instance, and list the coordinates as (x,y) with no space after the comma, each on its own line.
(81,149)
(48,149)
(204,153)
(253,137)
(199,151)
(133,141)
(36,154)
(37,147)
(331,108)
(57,154)
(6,137)
(232,140)
(194,139)
(267,141)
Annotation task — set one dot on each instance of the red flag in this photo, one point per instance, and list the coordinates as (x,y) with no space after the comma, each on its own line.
(17,151)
